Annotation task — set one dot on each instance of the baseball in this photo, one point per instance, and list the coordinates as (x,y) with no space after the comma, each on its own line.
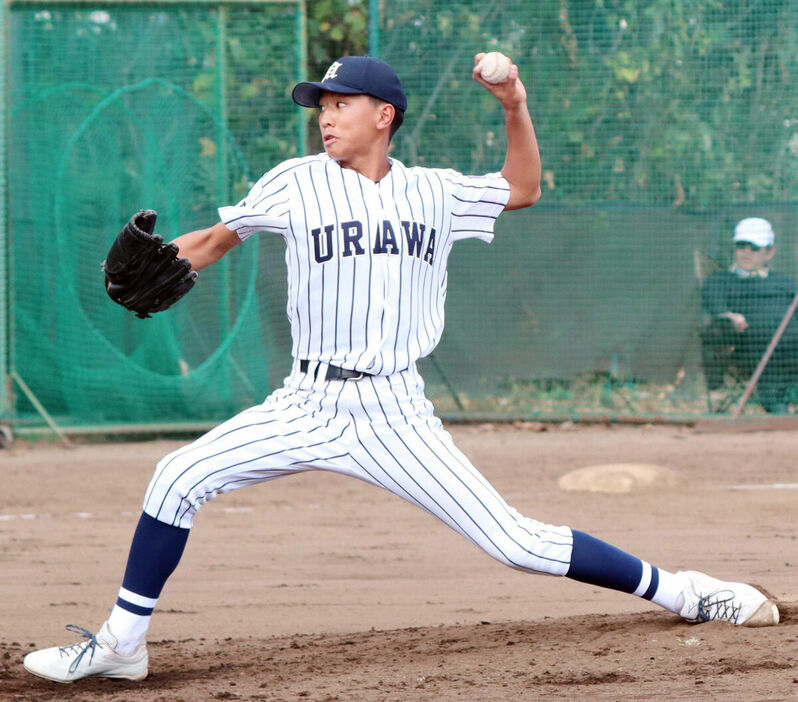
(494,67)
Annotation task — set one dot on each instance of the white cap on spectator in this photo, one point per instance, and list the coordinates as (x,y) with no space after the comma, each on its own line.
(756,230)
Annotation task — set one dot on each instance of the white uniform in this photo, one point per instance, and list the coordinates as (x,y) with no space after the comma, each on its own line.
(367,279)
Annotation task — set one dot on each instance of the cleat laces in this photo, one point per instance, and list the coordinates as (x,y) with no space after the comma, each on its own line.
(81,648)
(718,605)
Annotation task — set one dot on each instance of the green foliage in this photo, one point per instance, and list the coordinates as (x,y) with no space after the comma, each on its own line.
(687,103)
(335,28)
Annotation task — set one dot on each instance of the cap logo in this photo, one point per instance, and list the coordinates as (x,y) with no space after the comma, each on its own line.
(332,71)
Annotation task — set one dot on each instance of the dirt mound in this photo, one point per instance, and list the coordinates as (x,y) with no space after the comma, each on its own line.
(597,657)
(620,477)
(323,588)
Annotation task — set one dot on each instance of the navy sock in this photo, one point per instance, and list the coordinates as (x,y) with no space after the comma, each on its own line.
(154,555)
(598,563)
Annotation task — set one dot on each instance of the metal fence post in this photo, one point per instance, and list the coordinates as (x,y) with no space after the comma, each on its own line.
(5,330)
(374,28)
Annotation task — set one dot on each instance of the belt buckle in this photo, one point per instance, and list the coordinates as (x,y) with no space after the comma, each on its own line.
(359,376)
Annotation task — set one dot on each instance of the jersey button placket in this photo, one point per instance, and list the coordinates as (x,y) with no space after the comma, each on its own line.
(385,264)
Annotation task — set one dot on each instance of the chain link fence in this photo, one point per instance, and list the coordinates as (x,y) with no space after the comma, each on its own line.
(660,125)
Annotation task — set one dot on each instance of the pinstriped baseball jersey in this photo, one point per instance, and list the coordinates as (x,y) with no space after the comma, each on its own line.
(366,288)
(367,261)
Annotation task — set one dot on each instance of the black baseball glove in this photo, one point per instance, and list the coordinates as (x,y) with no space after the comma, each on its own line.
(141,272)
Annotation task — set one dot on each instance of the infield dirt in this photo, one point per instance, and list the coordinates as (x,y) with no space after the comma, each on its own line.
(321,588)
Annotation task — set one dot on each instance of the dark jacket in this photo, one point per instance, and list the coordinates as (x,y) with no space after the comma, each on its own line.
(762,300)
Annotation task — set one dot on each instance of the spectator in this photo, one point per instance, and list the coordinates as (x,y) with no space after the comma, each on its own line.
(741,310)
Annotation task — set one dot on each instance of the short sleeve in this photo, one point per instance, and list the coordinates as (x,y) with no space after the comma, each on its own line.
(477,201)
(266,206)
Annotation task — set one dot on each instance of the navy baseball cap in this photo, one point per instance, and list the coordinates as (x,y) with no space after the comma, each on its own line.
(354,75)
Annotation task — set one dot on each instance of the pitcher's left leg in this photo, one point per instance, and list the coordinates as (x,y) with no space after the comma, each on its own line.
(415,458)
(404,448)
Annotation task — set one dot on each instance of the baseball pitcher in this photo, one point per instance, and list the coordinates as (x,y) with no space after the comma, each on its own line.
(367,244)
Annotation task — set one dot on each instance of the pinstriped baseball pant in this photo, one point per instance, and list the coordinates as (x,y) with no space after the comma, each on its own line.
(380,429)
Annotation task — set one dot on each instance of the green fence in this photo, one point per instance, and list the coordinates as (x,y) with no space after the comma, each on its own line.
(661,124)
(114,107)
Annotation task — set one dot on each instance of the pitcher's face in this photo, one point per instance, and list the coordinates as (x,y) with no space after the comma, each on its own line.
(348,125)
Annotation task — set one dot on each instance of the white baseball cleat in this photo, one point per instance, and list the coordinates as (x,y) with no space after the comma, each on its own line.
(708,599)
(94,656)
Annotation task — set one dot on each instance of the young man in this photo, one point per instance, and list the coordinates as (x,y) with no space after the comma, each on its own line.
(742,309)
(367,243)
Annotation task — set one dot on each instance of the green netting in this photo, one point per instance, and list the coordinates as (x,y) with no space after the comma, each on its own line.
(661,124)
(115,108)
(6,407)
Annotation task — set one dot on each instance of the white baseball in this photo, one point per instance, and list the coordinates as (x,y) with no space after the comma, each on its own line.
(494,67)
